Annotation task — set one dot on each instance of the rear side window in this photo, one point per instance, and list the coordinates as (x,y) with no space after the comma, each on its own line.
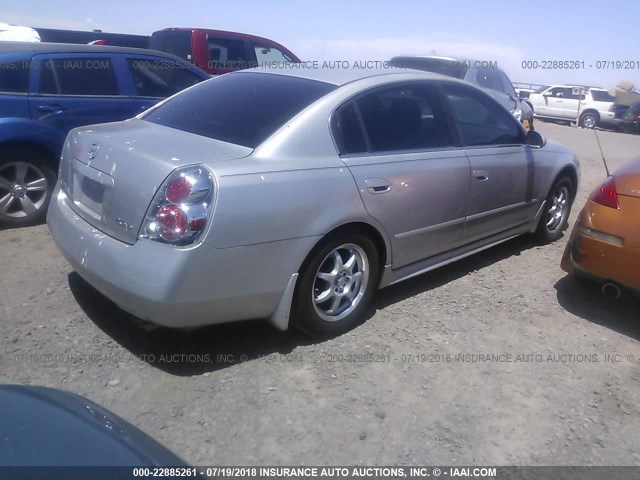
(240,108)
(601,96)
(480,120)
(160,78)
(228,53)
(78,76)
(347,130)
(407,117)
(175,43)
(14,76)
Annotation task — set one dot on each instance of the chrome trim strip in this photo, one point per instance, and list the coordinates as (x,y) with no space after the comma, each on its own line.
(431,228)
(500,210)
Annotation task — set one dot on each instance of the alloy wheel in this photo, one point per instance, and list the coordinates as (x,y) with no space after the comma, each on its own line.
(340,282)
(557,211)
(23,189)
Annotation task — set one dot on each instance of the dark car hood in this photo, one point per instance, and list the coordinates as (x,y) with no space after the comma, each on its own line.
(48,427)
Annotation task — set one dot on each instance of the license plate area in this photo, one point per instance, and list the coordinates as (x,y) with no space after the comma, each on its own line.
(91,190)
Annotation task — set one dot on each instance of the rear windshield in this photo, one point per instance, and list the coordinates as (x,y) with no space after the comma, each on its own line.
(601,96)
(241,108)
(450,68)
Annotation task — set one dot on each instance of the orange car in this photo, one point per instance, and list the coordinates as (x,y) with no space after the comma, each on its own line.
(605,242)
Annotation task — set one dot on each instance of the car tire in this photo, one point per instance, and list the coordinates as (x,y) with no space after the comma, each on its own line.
(555,218)
(589,120)
(344,269)
(26,185)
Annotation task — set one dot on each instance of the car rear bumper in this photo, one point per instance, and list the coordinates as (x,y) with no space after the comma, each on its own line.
(177,287)
(601,260)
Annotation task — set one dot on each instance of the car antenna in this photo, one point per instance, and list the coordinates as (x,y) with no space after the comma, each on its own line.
(601,153)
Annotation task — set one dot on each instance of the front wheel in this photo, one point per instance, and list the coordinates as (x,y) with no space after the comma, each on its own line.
(336,286)
(557,210)
(26,185)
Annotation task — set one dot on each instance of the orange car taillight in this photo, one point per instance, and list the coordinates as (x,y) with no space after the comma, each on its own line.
(606,194)
(181,207)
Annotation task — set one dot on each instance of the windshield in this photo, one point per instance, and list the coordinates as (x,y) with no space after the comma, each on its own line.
(241,108)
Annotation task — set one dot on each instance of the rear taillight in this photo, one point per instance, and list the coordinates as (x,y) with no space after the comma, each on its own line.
(606,194)
(181,208)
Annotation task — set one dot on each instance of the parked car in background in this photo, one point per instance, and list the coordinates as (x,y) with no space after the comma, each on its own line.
(17,33)
(482,74)
(217,51)
(605,242)
(94,37)
(561,102)
(284,194)
(47,89)
(47,427)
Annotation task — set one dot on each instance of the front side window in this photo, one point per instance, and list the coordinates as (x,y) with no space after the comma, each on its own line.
(160,78)
(77,76)
(240,108)
(228,53)
(270,55)
(480,120)
(14,76)
(408,117)
(489,78)
(507,86)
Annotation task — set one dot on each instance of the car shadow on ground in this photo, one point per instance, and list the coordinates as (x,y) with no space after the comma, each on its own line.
(584,299)
(443,275)
(220,346)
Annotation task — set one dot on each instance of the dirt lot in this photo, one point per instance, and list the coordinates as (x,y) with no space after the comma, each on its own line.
(247,394)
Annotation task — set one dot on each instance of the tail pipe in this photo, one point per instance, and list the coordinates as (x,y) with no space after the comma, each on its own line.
(611,290)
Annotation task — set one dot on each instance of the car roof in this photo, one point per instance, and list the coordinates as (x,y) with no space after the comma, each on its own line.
(46,47)
(340,76)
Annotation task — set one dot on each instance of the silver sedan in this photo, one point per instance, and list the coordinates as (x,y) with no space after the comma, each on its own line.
(293,195)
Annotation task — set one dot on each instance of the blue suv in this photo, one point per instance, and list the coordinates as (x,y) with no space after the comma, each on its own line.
(46,89)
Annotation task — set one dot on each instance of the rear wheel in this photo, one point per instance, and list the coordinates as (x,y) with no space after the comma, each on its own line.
(557,210)
(589,120)
(336,285)
(26,184)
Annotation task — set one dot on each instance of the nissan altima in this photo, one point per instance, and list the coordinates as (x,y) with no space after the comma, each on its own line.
(293,195)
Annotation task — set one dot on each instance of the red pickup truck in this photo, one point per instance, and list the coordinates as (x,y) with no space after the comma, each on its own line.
(218,51)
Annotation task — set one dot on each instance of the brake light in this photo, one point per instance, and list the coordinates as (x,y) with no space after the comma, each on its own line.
(181,208)
(606,194)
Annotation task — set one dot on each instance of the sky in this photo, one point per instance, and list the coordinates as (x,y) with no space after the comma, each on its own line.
(332,30)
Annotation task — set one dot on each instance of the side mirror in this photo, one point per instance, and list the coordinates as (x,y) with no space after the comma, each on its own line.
(523,95)
(547,94)
(535,139)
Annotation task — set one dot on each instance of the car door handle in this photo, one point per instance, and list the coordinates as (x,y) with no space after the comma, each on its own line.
(51,108)
(481,175)
(376,186)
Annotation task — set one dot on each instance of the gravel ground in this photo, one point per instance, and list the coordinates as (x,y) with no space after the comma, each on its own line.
(247,394)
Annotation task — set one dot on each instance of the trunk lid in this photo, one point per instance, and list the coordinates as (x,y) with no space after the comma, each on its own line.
(627,178)
(111,172)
